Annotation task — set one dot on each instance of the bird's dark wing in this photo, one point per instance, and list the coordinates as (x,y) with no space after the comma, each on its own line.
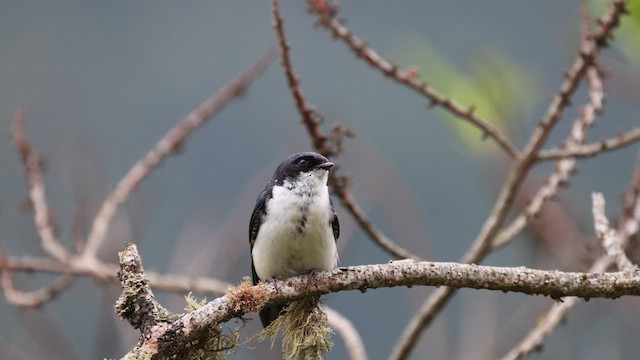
(335,224)
(257,217)
(268,313)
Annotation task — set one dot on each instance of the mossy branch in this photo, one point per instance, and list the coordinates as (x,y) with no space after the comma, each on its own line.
(161,337)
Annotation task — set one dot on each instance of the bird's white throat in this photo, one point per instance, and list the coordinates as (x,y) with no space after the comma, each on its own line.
(296,235)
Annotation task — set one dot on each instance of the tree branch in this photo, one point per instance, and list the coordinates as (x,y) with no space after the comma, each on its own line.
(108,272)
(482,245)
(33,167)
(326,18)
(161,337)
(611,242)
(170,143)
(564,168)
(587,150)
(310,118)
(34,298)
(136,304)
(547,323)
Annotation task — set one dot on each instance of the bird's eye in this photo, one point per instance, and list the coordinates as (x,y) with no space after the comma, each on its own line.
(302,162)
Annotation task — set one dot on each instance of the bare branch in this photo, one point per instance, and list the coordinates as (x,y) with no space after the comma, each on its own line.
(309,116)
(550,321)
(170,143)
(33,167)
(611,242)
(587,150)
(35,298)
(30,299)
(107,272)
(319,141)
(482,245)
(564,168)
(546,324)
(375,234)
(326,18)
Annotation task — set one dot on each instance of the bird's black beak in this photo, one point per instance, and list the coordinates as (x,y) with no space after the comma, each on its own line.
(326,166)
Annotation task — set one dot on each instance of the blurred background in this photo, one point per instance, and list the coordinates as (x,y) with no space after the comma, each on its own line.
(103,80)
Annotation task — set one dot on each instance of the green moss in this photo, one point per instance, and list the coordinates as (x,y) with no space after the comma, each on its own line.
(305,331)
(193,303)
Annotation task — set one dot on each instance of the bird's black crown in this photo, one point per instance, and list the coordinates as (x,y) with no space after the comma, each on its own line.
(299,163)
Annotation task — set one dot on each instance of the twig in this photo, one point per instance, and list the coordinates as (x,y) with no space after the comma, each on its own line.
(309,118)
(550,321)
(107,272)
(482,245)
(33,167)
(534,339)
(166,146)
(587,150)
(367,226)
(344,327)
(545,325)
(30,299)
(35,298)
(326,18)
(564,168)
(611,242)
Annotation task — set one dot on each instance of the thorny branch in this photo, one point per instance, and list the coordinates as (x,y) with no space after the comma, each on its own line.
(564,167)
(309,117)
(545,326)
(326,18)
(482,245)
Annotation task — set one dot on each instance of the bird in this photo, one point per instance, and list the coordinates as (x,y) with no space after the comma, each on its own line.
(294,227)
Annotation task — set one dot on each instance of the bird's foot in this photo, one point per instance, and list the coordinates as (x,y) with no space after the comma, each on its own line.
(311,275)
(276,279)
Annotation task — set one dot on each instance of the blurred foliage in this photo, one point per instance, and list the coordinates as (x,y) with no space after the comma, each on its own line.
(502,90)
(628,35)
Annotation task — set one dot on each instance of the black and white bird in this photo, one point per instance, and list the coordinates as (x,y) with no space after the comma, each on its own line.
(294,227)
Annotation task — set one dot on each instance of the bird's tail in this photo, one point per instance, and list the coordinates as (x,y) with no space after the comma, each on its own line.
(270,313)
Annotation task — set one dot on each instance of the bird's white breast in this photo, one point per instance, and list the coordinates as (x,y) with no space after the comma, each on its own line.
(296,235)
